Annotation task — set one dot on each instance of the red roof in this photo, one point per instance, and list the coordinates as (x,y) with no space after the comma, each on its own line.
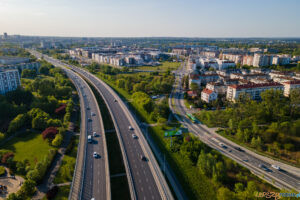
(294,82)
(255,85)
(207,91)
(192,93)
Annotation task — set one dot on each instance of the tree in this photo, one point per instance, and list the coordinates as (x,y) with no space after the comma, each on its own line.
(13,196)
(40,121)
(50,133)
(52,192)
(18,122)
(28,73)
(33,175)
(194,86)
(28,188)
(19,96)
(44,70)
(57,140)
(225,194)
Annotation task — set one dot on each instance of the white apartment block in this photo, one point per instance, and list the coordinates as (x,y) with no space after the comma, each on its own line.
(22,66)
(208,95)
(289,86)
(9,80)
(254,90)
(217,87)
(7,60)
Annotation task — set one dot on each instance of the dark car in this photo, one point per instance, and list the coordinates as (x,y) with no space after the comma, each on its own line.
(143,158)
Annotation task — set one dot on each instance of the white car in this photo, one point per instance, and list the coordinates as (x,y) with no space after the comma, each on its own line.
(130,128)
(93,114)
(134,136)
(95,154)
(94,134)
(276,167)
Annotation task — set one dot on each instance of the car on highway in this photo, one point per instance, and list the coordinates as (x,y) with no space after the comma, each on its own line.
(245,160)
(88,108)
(275,167)
(143,158)
(223,145)
(93,114)
(134,136)
(95,134)
(115,100)
(239,149)
(95,155)
(89,139)
(89,119)
(130,128)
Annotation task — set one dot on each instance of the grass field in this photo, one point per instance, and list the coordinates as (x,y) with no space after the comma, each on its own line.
(163,67)
(29,146)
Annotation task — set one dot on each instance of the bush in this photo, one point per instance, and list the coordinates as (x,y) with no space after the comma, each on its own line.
(2,170)
(18,122)
(52,192)
(57,140)
(6,156)
(61,110)
(49,133)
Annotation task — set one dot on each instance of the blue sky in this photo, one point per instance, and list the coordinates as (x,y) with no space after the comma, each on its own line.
(130,18)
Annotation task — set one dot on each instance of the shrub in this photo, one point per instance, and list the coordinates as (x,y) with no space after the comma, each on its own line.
(49,133)
(2,170)
(52,192)
(6,156)
(57,140)
(61,110)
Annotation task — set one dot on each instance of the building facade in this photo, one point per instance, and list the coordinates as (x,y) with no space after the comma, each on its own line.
(9,80)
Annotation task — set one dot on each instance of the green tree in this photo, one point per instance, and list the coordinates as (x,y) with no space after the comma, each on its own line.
(225,194)
(194,86)
(28,73)
(20,121)
(57,140)
(27,189)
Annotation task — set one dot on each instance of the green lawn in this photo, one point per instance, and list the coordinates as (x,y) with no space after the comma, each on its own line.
(29,146)
(163,67)
(65,172)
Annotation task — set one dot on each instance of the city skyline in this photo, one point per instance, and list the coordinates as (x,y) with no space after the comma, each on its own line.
(150,19)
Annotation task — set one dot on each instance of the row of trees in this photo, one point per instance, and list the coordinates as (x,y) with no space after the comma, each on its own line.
(226,177)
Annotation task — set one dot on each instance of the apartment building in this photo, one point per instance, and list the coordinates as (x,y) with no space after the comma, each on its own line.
(208,95)
(9,80)
(7,60)
(22,66)
(291,85)
(254,90)
(217,87)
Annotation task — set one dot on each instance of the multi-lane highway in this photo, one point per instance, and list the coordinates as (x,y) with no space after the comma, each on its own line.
(288,177)
(145,178)
(91,177)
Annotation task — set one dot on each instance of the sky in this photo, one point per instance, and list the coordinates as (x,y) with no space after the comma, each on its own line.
(151,18)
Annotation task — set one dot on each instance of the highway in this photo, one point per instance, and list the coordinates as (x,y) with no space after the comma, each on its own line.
(287,177)
(145,178)
(91,177)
